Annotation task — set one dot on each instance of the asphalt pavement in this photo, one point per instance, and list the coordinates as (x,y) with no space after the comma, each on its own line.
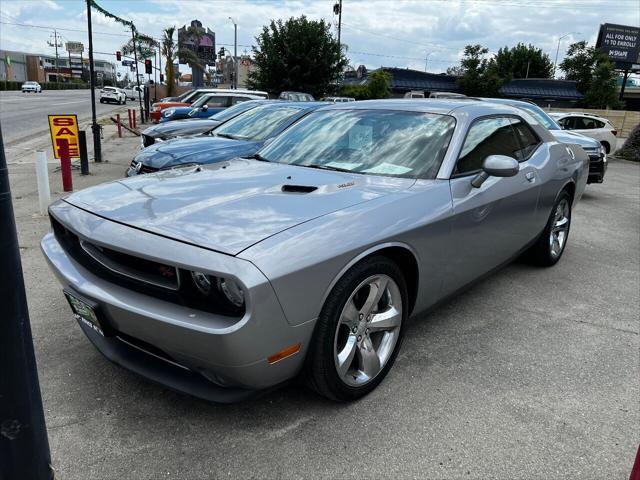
(24,115)
(533,373)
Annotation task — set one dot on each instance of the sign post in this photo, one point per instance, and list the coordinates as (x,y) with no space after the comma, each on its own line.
(66,144)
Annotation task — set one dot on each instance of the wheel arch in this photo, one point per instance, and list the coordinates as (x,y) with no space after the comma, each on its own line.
(570,187)
(400,253)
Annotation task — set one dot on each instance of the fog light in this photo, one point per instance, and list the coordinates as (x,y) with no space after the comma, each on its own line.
(231,290)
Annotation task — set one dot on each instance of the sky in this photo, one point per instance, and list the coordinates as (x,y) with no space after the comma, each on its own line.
(390,33)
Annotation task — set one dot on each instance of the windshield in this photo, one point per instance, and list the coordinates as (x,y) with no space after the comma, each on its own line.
(258,123)
(183,96)
(378,142)
(233,111)
(540,115)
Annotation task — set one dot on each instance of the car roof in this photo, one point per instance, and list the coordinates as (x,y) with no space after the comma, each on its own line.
(301,105)
(443,106)
(229,90)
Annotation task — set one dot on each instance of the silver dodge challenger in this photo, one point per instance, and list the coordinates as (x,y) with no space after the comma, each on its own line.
(306,260)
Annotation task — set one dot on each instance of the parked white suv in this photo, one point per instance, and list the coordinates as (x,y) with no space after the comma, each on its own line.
(113,95)
(598,128)
(31,87)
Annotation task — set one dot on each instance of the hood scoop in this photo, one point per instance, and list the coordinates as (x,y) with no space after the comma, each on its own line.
(298,188)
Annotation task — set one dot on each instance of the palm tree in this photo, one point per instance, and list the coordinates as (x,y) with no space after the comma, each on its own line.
(169,50)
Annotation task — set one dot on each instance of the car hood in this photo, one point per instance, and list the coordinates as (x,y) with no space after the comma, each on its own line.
(181,127)
(198,149)
(571,137)
(230,206)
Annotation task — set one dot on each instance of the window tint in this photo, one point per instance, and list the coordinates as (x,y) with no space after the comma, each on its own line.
(528,140)
(488,136)
(373,142)
(258,123)
(235,100)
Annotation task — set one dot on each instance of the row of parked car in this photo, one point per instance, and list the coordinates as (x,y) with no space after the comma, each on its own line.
(243,127)
(296,238)
(206,102)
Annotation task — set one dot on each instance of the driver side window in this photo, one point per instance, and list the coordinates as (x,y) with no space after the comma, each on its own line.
(487,136)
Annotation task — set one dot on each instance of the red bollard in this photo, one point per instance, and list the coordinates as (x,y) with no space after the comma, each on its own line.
(134,117)
(119,126)
(65,164)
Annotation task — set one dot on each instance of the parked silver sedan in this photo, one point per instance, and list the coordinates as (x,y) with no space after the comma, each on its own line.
(307,259)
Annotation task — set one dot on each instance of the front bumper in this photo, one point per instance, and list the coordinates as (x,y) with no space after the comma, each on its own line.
(597,168)
(206,355)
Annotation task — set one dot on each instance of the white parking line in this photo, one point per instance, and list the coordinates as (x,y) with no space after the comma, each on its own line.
(68,103)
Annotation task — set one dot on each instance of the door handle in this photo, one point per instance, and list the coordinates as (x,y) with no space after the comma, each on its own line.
(530,176)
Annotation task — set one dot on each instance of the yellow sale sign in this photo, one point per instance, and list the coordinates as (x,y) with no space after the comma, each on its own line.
(64,127)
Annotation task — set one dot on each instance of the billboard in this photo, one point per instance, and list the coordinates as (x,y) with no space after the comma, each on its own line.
(74,47)
(621,43)
(199,40)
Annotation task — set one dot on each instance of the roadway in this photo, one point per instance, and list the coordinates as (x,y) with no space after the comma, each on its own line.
(24,115)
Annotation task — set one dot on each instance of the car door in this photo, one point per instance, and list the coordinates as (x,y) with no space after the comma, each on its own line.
(492,223)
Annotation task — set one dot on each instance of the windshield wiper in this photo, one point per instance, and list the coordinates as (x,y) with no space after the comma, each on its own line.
(257,156)
(327,167)
(225,135)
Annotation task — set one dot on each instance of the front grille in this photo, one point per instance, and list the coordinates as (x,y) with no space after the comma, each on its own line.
(144,168)
(138,274)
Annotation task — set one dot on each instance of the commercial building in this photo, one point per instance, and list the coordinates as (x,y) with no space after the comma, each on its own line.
(21,66)
(544,92)
(224,71)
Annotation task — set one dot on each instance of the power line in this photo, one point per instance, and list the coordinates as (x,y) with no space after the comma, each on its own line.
(43,27)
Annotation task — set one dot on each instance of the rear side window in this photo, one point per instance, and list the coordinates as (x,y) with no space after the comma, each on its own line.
(528,139)
(487,136)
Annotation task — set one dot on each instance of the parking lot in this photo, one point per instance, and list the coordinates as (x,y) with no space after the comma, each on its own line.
(533,373)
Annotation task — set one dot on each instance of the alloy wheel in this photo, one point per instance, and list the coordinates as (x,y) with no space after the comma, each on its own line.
(368,330)
(560,228)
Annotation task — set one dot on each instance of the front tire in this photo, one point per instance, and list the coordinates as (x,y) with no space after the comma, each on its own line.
(549,248)
(359,330)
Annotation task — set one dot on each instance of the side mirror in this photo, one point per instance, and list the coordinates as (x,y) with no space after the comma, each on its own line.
(496,166)
(205,107)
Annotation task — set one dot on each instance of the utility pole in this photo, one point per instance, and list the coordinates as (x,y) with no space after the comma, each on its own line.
(55,44)
(24,447)
(235,53)
(135,58)
(95,128)
(337,10)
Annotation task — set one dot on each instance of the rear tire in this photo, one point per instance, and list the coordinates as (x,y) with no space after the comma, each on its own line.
(359,331)
(549,248)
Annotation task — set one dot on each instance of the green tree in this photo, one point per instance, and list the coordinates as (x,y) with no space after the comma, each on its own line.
(298,54)
(594,74)
(521,61)
(145,46)
(479,78)
(377,86)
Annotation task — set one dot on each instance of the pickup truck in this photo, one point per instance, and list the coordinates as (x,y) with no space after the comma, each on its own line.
(132,92)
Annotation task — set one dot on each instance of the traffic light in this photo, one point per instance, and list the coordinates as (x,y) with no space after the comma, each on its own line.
(148,68)
(118,56)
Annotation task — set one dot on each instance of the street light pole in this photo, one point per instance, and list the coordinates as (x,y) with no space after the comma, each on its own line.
(95,128)
(555,62)
(235,53)
(24,447)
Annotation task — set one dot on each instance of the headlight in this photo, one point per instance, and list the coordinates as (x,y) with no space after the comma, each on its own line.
(222,290)
(169,112)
